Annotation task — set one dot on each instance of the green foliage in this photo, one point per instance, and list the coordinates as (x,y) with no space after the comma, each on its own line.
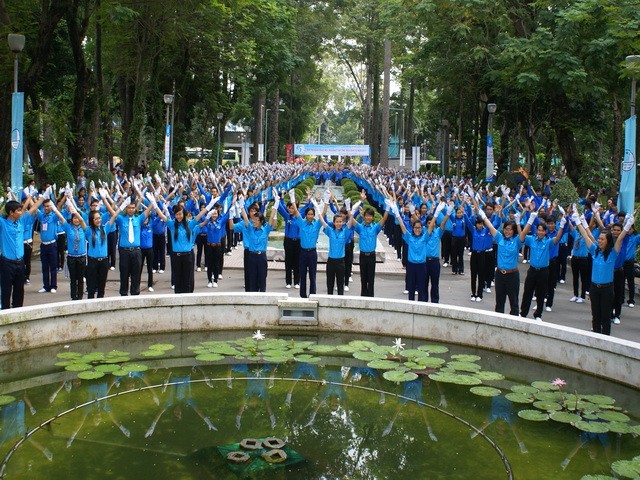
(597,174)
(155,167)
(565,191)
(59,173)
(200,165)
(100,173)
(180,165)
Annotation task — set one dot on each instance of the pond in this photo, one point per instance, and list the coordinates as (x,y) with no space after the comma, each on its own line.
(344,407)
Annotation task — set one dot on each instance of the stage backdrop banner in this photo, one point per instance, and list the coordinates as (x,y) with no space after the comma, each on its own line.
(333,150)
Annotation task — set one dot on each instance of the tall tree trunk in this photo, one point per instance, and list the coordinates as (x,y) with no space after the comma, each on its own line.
(375,117)
(561,124)
(616,150)
(366,108)
(408,133)
(459,152)
(258,112)
(274,137)
(386,94)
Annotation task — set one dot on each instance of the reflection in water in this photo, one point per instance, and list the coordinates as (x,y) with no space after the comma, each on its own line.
(256,393)
(502,412)
(13,424)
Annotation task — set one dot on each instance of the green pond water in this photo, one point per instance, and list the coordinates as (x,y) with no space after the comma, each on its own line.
(174,416)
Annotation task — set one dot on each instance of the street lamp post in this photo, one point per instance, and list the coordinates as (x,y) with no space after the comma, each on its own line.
(16,45)
(490,162)
(168,100)
(220,115)
(445,138)
(626,198)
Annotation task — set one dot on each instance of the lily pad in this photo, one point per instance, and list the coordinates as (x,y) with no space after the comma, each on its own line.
(78,367)
(399,376)
(518,398)
(433,348)
(599,399)
(597,477)
(465,357)
(613,416)
(485,391)
(321,348)
(525,389)
(135,367)
(592,427)
(153,353)
(458,379)
(432,362)
(209,357)
(6,400)
(619,427)
(278,359)
(69,355)
(549,396)
(383,364)
(307,358)
(464,366)
(626,468)
(413,353)
(162,346)
(487,376)
(414,366)
(92,357)
(565,417)
(368,356)
(305,344)
(348,348)
(90,375)
(547,406)
(533,415)
(362,344)
(64,363)
(118,353)
(109,368)
(116,359)
(544,386)
(382,349)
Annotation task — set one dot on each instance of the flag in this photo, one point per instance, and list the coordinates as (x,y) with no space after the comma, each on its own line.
(17,140)
(626,198)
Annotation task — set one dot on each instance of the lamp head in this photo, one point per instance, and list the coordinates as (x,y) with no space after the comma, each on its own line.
(16,42)
(168,98)
(220,115)
(492,107)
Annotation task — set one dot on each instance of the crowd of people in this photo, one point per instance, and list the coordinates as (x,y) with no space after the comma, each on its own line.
(85,229)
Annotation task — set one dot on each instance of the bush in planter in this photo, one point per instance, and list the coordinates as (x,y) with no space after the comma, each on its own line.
(59,173)
(565,191)
(100,173)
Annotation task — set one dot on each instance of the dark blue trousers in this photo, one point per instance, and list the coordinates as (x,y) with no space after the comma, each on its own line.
(433,277)
(49,259)
(308,262)
(12,281)
(416,278)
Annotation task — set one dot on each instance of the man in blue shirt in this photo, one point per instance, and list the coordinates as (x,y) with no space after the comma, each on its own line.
(309,229)
(368,233)
(49,218)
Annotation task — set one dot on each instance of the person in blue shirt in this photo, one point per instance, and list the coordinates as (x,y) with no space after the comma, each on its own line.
(49,218)
(146,249)
(12,247)
(481,248)
(604,251)
(580,266)
(537,279)
(458,241)
(255,234)
(629,265)
(368,234)
(215,226)
(291,245)
(76,252)
(338,235)
(97,257)
(309,229)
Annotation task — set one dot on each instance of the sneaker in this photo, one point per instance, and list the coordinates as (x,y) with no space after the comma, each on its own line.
(487,290)
(112,268)
(525,261)
(346,288)
(199,269)
(580,300)
(296,285)
(562,281)
(573,299)
(445,264)
(478,299)
(454,273)
(493,284)
(215,284)
(27,282)
(538,319)
(586,294)
(53,290)
(228,254)
(153,271)
(398,259)
(473,299)
(351,279)
(288,285)
(42,290)
(151,289)
(209,285)
(219,277)
(406,292)
(548,309)
(173,287)
(469,253)
(160,271)
(630,305)
(615,321)
(520,254)
(460,273)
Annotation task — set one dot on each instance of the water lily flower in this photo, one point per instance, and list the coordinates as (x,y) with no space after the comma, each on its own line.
(558,382)
(398,345)
(258,336)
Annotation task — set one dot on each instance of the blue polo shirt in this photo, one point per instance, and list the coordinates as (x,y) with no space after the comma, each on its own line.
(12,237)
(49,223)
(579,245)
(622,254)
(555,247)
(368,235)
(28,221)
(540,248)
(309,232)
(75,238)
(458,226)
(433,242)
(632,244)
(146,235)
(215,230)
(98,246)
(254,239)
(291,229)
(417,247)
(183,243)
(602,269)
(337,240)
(123,228)
(507,251)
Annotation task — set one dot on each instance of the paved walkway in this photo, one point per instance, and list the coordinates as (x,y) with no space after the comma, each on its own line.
(454,290)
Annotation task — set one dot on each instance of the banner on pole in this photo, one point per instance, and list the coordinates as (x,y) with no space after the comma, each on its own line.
(490,177)
(167,146)
(17,141)
(626,198)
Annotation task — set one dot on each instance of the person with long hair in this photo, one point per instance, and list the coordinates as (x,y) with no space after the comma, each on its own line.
(604,252)
(77,251)
(97,236)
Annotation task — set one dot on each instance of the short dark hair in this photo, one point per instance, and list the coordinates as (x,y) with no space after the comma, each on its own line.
(369,211)
(12,206)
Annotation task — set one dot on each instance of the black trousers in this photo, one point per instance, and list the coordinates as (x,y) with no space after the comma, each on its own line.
(112,244)
(397,240)
(507,286)
(292,260)
(335,275)
(97,271)
(618,292)
(183,264)
(159,251)
(580,272)
(554,270)
(77,267)
(367,273)
(348,261)
(445,245)
(477,264)
(201,241)
(536,281)
(61,241)
(11,283)
(130,265)
(308,263)
(214,254)
(28,251)
(601,303)
(257,271)
(629,275)
(490,265)
(457,254)
(563,253)
(148,258)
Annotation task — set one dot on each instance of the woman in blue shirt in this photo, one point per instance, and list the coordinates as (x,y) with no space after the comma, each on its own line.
(97,236)
(604,252)
(76,252)
(338,237)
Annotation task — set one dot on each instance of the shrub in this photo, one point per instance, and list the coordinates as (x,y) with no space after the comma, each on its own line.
(565,191)
(155,167)
(59,173)
(100,173)
(180,165)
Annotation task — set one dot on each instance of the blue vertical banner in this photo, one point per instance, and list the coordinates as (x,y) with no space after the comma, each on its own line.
(626,198)
(17,142)
(167,147)
(489,177)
